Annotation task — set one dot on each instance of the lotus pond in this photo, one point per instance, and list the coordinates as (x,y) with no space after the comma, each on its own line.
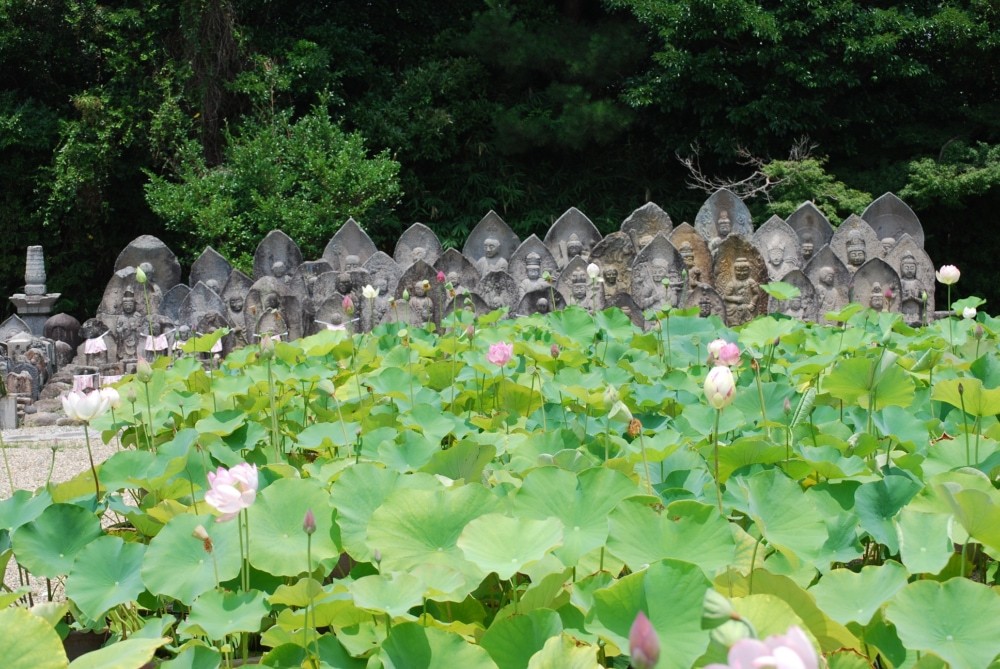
(417,499)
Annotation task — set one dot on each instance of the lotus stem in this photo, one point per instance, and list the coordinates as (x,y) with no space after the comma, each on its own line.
(93,469)
(6,464)
(274,412)
(715,439)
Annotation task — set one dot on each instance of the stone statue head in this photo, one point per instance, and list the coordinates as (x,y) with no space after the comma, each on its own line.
(278,269)
(271,301)
(236,303)
(908,266)
(776,254)
(128,303)
(542,305)
(455,279)
(742,268)
(856,255)
(704,306)
(611,276)
(724,226)
(658,269)
(213,286)
(491,247)
(687,252)
(574,246)
(807,246)
(344,283)
(420,288)
(887,244)
(352,263)
(877,299)
(418,253)
(533,266)
(578,284)
(826,275)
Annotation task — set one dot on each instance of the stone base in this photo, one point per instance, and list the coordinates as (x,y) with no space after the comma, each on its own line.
(34,310)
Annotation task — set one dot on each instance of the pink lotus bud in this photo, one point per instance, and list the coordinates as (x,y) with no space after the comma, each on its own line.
(948,275)
(267,347)
(724,353)
(232,490)
(441,278)
(309,522)
(787,406)
(720,387)
(348,305)
(554,351)
(888,294)
(643,643)
(470,331)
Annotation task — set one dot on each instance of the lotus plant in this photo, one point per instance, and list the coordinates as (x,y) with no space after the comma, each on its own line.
(791,650)
(643,643)
(948,275)
(720,390)
(85,407)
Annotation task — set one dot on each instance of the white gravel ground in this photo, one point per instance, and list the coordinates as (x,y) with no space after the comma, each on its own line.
(29,453)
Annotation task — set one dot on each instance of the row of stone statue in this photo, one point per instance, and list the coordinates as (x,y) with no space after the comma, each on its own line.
(718,265)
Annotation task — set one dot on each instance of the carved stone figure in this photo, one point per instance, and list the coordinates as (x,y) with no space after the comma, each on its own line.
(645,223)
(812,228)
(275,248)
(708,301)
(148,249)
(658,276)
(889,216)
(572,235)
(876,285)
(855,243)
(722,215)
(498,290)
(779,245)
(533,280)
(831,279)
(129,329)
(803,306)
(458,270)
(417,243)
(693,249)
(350,240)
(210,266)
(533,248)
(916,274)
(577,288)
(614,255)
(493,240)
(739,271)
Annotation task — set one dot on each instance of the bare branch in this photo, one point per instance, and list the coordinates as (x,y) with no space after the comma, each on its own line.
(757,183)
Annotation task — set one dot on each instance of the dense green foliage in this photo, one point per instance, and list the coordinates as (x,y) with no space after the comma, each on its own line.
(111,113)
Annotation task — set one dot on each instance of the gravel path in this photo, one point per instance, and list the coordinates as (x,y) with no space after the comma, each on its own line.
(29,453)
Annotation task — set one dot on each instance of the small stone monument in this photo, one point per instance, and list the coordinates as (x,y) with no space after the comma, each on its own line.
(34,305)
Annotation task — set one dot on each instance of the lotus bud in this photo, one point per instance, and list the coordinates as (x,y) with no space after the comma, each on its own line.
(426,285)
(441,277)
(547,277)
(634,428)
(309,522)
(978,332)
(716,610)
(202,535)
(130,395)
(470,331)
(554,351)
(348,305)
(961,389)
(593,271)
(968,313)
(406,295)
(720,387)
(643,643)
(143,370)
(369,292)
(140,275)
(787,406)
(948,275)
(377,556)
(266,347)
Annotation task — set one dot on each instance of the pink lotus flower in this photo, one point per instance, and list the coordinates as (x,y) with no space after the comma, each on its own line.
(500,353)
(643,643)
(441,277)
(948,275)
(348,305)
(723,352)
(232,490)
(788,651)
(720,387)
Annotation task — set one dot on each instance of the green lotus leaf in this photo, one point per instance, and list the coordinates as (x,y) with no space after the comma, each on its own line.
(780,290)
(465,461)
(128,654)
(977,400)
(858,380)
(512,641)
(22,507)
(323,436)
(924,546)
(847,659)
(277,541)
(563,652)
(761,332)
(177,564)
(222,423)
(105,574)
(580,502)
(877,504)
(412,646)
(293,656)
(956,620)
(48,545)
(848,596)
(356,495)
(671,593)
(28,642)
(195,657)
(979,514)
(392,593)
(685,530)
(504,545)
(573,324)
(415,527)
(785,515)
(216,614)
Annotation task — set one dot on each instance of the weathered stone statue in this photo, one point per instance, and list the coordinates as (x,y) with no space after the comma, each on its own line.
(491,261)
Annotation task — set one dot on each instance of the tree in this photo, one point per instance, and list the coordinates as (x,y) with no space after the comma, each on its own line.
(304,176)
